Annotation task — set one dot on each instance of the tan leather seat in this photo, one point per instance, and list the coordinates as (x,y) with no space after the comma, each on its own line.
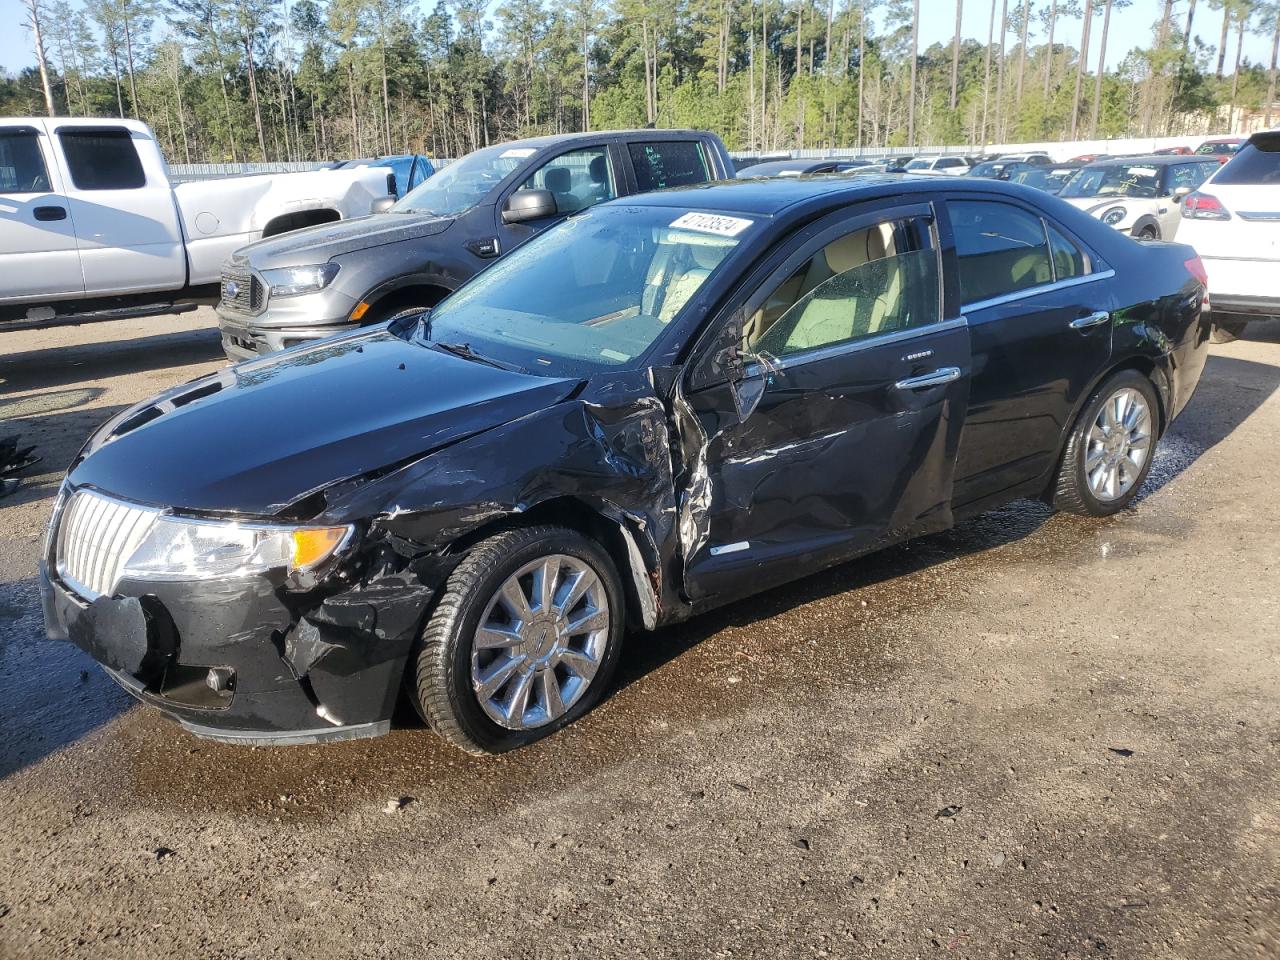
(840,308)
(675,276)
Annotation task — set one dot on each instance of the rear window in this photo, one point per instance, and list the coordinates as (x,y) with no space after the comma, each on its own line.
(1255,164)
(22,167)
(1002,249)
(671,164)
(102,159)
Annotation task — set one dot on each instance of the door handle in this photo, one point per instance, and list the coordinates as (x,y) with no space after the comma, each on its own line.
(1090,320)
(50,213)
(936,379)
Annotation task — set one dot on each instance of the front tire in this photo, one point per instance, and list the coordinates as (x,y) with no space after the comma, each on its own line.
(1110,449)
(525,638)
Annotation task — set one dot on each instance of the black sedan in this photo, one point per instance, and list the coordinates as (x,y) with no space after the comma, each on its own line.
(743,384)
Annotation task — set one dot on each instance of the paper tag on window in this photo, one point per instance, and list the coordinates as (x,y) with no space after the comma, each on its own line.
(517,153)
(711,223)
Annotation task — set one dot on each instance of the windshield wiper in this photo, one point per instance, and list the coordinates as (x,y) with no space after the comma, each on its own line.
(464,351)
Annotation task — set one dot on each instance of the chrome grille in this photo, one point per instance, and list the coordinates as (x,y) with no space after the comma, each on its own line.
(241,291)
(96,536)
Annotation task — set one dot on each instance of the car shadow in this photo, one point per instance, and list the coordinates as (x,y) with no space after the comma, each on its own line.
(51,693)
(74,364)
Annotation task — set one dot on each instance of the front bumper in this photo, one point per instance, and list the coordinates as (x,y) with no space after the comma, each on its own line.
(245,340)
(332,673)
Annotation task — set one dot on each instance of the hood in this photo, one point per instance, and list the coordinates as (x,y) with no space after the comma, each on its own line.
(258,436)
(321,243)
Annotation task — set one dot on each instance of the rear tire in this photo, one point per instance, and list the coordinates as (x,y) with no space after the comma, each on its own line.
(1227,331)
(558,649)
(1147,233)
(1109,452)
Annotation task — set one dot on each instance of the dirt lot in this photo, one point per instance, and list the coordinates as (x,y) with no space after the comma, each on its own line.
(1033,736)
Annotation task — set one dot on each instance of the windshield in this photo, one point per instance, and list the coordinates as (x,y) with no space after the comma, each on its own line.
(1116,180)
(1256,164)
(548,309)
(920,164)
(463,183)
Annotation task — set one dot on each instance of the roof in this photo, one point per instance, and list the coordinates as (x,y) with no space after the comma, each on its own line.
(1150,160)
(769,197)
(557,138)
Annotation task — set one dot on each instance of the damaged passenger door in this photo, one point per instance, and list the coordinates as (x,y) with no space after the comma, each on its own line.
(830,403)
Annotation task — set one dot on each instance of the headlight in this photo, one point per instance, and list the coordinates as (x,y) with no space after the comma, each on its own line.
(292,281)
(184,549)
(1113,216)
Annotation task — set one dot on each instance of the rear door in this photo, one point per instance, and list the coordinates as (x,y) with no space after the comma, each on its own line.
(38,255)
(126,220)
(853,441)
(1039,312)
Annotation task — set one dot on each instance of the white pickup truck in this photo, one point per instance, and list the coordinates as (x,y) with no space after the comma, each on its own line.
(91,227)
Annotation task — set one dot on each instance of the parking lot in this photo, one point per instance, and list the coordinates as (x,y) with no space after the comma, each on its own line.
(1032,736)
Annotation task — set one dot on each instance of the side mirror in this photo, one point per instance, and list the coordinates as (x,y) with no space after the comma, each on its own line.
(382,205)
(724,361)
(525,205)
(1181,193)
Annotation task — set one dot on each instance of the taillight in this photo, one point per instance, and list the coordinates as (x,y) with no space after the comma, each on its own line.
(1202,206)
(1196,268)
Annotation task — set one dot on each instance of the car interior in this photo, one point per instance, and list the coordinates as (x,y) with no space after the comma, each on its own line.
(874,280)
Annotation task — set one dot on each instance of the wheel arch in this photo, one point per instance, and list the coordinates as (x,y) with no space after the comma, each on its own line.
(1137,362)
(411,293)
(297,219)
(613,529)
(1145,221)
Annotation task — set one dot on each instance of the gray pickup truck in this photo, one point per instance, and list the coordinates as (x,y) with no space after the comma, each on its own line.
(410,254)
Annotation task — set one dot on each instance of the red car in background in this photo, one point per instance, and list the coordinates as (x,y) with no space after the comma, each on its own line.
(1224,148)
(1172,151)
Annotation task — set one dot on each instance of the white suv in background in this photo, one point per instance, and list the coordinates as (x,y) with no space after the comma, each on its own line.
(952,166)
(1233,221)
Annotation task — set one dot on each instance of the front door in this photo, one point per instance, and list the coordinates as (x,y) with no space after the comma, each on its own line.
(578,179)
(38,255)
(852,442)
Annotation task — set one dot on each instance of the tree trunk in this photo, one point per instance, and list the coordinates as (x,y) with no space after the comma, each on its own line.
(1084,56)
(862,61)
(1222,40)
(253,95)
(1243,17)
(128,54)
(1191,15)
(1049,56)
(955,55)
(986,76)
(115,70)
(1004,29)
(355,122)
(1271,74)
(386,99)
(1097,82)
(586,75)
(915,57)
(33,18)
(1022,54)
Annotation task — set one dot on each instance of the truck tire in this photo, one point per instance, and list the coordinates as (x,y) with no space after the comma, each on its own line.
(523,641)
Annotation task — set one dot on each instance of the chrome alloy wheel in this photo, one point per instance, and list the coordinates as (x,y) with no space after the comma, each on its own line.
(540,641)
(1118,445)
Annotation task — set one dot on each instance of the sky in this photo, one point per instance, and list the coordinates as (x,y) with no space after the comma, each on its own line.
(1129,27)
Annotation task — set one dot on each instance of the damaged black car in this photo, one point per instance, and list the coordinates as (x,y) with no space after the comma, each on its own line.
(661,405)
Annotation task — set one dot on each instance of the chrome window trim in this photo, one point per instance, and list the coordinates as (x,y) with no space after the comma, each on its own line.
(1036,291)
(855,346)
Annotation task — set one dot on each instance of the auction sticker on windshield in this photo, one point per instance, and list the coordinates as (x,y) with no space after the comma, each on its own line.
(710,223)
(517,153)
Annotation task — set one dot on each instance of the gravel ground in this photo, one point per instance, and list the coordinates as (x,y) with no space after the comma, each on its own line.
(1032,736)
